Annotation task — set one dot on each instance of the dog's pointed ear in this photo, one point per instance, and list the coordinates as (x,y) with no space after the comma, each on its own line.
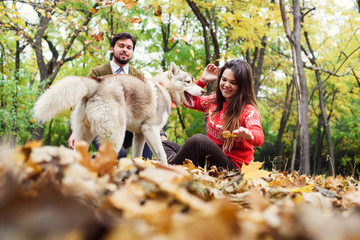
(173,68)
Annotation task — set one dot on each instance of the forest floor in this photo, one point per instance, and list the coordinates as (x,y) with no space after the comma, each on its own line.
(56,193)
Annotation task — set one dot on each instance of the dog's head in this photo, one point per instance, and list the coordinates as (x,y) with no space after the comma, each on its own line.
(183,86)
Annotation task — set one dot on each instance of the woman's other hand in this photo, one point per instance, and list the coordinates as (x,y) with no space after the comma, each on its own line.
(243,133)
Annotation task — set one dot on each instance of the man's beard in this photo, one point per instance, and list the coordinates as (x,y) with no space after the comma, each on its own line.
(121,61)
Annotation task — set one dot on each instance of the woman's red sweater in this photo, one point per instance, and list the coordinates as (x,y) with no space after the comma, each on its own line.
(242,150)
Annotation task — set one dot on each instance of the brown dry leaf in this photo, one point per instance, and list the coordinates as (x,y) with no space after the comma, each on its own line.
(23,155)
(334,183)
(98,37)
(148,200)
(129,4)
(287,183)
(83,148)
(33,144)
(190,165)
(171,39)
(183,37)
(253,170)
(158,11)
(351,198)
(316,199)
(169,181)
(62,155)
(165,174)
(26,150)
(257,201)
(93,10)
(135,19)
(300,181)
(220,223)
(276,183)
(128,198)
(108,3)
(106,159)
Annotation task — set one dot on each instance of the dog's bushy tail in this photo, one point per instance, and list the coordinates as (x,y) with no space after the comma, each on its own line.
(62,95)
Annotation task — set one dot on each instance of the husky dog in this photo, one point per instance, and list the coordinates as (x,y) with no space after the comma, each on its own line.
(107,106)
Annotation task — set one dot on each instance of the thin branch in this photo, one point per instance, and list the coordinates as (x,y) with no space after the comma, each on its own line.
(326,71)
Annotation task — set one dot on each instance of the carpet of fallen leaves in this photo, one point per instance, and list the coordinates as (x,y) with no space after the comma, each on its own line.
(57,193)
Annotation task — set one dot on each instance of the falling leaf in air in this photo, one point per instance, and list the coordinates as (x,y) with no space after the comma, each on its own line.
(183,37)
(135,19)
(129,4)
(192,53)
(93,10)
(108,4)
(98,37)
(158,11)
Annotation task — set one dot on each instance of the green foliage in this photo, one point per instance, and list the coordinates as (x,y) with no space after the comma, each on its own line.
(346,135)
(267,152)
(16,102)
(57,131)
(193,122)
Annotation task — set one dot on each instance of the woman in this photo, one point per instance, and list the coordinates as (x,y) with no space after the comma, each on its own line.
(232,110)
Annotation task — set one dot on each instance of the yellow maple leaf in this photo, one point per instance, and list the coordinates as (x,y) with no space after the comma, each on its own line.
(227,134)
(253,170)
(189,164)
(305,189)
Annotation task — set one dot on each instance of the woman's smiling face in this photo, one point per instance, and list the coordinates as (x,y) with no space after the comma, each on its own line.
(228,85)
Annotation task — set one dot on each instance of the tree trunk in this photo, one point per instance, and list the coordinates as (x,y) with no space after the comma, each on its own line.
(293,155)
(48,140)
(48,71)
(317,148)
(300,84)
(204,25)
(258,68)
(325,120)
(326,123)
(285,117)
(209,26)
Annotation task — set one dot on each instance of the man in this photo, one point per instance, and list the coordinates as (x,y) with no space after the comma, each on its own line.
(122,47)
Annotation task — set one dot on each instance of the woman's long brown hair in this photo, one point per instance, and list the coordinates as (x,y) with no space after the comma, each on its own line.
(245,95)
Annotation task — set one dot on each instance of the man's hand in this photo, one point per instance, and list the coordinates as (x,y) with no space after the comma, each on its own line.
(243,133)
(71,141)
(210,73)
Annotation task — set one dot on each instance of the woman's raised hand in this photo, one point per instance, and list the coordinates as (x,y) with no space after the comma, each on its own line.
(210,73)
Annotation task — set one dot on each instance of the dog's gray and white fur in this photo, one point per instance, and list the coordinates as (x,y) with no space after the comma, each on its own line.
(107,106)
